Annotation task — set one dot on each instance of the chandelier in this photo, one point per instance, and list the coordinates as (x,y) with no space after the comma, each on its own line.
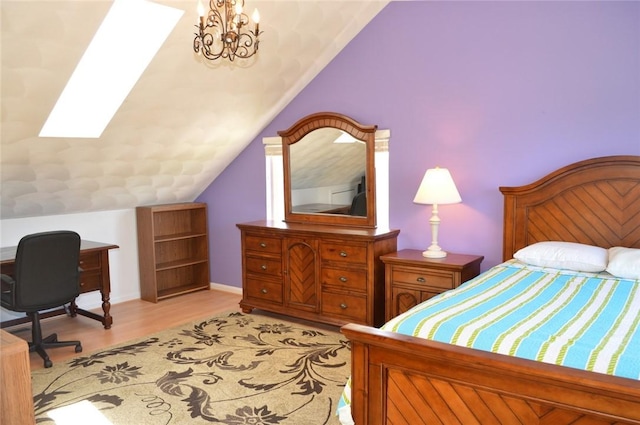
(223,32)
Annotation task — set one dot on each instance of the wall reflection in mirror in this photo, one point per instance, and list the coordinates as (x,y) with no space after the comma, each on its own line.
(328,168)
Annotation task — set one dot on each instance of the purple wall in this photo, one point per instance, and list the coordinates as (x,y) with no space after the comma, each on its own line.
(501,93)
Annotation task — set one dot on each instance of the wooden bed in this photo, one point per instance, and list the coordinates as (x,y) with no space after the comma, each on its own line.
(399,379)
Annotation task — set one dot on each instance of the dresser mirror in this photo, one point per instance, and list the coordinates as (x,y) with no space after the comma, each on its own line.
(329,171)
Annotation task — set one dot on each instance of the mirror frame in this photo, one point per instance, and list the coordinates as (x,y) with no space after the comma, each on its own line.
(312,122)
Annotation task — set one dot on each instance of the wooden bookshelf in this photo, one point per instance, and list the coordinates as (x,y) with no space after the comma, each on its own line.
(173,249)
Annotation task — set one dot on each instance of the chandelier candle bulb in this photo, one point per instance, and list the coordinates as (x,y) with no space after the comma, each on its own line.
(256,18)
(201,13)
(238,15)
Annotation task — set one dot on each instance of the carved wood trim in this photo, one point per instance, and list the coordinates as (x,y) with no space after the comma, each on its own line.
(595,202)
(362,132)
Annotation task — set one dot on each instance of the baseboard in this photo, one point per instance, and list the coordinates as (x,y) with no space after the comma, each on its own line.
(226,288)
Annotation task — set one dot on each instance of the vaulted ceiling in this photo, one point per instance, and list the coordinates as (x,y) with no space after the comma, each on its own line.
(183,122)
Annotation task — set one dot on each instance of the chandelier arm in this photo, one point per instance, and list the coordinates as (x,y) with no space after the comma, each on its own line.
(206,39)
(247,46)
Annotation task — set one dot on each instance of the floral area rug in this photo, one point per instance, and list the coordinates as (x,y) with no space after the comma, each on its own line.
(231,369)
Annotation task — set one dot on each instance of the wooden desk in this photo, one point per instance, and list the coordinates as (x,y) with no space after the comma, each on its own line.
(16,398)
(94,261)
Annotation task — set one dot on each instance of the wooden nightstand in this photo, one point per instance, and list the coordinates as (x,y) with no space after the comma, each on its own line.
(411,278)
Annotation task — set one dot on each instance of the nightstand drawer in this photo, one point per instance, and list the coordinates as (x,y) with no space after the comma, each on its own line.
(344,253)
(442,280)
(355,280)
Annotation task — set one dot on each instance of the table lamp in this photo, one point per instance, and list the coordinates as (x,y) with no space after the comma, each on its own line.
(437,187)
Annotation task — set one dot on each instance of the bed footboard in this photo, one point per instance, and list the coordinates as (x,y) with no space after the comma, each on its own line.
(398,379)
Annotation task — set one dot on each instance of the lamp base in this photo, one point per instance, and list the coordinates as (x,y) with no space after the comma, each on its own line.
(429,253)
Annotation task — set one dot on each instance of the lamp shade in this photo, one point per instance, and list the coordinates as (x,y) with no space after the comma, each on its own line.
(437,187)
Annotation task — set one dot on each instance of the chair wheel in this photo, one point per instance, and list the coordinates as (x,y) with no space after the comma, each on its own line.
(78,348)
(48,363)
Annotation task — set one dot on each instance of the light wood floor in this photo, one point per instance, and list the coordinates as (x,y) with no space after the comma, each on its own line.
(131,319)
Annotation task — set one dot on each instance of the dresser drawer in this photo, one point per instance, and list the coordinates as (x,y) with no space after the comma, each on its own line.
(265,244)
(347,306)
(264,290)
(417,276)
(344,253)
(263,266)
(355,280)
(90,280)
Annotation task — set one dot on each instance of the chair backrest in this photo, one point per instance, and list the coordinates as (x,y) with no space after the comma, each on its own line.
(46,270)
(359,204)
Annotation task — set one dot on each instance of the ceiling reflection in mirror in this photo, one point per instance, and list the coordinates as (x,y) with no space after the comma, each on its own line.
(327,172)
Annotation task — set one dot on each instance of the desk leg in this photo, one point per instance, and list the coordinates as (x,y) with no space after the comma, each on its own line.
(106,307)
(105,319)
(106,290)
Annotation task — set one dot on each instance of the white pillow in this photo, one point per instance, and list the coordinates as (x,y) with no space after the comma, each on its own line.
(624,262)
(564,255)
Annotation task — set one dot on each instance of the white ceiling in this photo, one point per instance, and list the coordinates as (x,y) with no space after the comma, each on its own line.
(181,125)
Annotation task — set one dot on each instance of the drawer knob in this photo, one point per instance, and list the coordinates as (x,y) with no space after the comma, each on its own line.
(421,279)
(343,279)
(263,267)
(263,290)
(343,306)
(263,245)
(343,254)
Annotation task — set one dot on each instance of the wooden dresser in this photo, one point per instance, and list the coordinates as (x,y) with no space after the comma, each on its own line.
(16,398)
(329,274)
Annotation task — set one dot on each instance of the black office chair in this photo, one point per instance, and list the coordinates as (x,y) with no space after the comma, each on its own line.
(46,276)
(359,205)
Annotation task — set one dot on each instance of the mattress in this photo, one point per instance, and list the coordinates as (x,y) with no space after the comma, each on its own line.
(589,321)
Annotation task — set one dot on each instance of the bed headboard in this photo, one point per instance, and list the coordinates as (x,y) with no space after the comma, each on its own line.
(595,202)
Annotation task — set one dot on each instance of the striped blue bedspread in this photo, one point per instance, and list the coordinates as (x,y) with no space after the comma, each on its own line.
(581,320)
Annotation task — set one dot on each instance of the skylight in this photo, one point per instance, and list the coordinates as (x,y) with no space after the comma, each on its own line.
(122,48)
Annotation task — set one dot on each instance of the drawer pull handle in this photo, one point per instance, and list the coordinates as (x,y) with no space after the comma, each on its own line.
(343,306)
(263,290)
(343,254)
(263,267)
(421,279)
(263,245)
(343,279)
